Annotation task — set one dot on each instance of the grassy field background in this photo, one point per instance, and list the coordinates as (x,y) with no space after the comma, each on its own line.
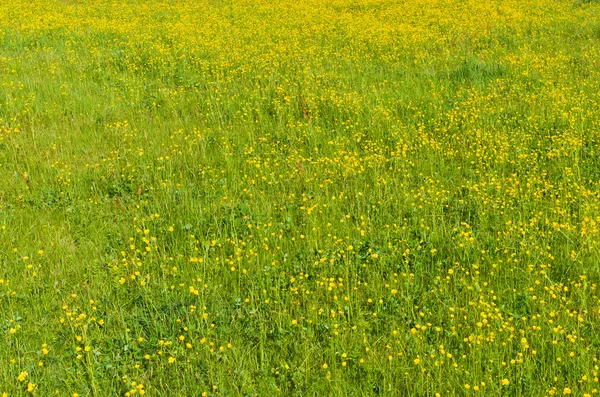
(341,197)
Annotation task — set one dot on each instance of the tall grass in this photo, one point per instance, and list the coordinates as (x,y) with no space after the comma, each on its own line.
(298,198)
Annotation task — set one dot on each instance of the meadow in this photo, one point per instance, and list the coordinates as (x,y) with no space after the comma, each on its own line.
(316,197)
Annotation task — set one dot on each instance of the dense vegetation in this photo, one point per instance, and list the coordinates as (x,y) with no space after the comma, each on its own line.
(342,197)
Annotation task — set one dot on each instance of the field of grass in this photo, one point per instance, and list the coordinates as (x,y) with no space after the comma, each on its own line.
(277,197)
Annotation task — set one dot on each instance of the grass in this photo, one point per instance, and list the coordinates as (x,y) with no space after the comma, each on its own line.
(298,198)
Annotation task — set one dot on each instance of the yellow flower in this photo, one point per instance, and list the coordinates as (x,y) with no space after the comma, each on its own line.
(504,382)
(22,376)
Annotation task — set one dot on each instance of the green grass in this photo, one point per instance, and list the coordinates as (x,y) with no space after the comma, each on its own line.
(335,198)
